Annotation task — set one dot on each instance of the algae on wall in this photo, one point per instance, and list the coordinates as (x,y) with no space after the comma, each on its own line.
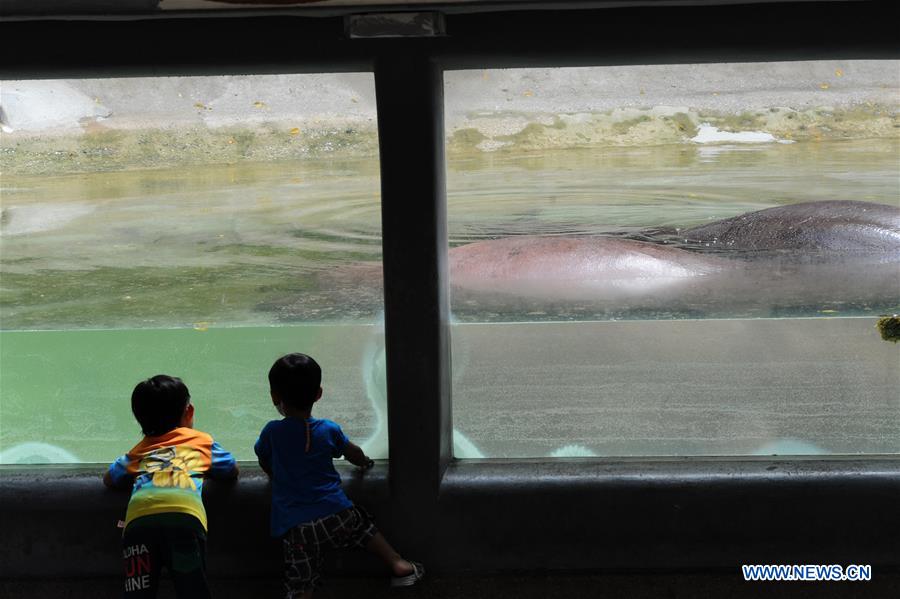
(99,148)
(112,124)
(116,149)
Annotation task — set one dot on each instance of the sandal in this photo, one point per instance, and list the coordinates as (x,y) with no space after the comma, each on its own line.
(418,574)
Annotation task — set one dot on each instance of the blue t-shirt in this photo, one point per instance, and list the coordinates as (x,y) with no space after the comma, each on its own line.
(305,485)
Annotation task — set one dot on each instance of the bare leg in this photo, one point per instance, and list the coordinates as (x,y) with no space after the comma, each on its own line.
(380,547)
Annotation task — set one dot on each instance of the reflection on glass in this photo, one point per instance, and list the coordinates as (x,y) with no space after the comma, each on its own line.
(191,226)
(675,260)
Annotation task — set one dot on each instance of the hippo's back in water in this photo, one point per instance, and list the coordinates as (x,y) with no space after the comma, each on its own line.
(575,268)
(839,226)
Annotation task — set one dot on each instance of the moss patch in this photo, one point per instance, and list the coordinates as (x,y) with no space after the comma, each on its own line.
(623,127)
(684,124)
(139,296)
(111,150)
(101,149)
(889,327)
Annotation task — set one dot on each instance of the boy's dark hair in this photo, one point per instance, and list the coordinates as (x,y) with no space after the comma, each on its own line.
(158,403)
(295,379)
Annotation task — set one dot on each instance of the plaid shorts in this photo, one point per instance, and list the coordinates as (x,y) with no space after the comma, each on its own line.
(305,546)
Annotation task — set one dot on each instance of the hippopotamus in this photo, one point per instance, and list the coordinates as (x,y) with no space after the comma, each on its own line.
(590,268)
(828,226)
(528,272)
(834,256)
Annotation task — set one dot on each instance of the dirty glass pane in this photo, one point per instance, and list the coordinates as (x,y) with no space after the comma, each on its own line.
(675,260)
(189,226)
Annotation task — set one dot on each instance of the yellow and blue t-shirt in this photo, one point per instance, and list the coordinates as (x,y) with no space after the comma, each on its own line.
(168,472)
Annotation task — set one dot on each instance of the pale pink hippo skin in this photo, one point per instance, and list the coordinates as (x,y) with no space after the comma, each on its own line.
(576,268)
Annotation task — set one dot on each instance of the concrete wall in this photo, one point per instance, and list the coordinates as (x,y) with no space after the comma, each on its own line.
(197,120)
(566,524)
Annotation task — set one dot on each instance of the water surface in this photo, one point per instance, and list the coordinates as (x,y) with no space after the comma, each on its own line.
(210,273)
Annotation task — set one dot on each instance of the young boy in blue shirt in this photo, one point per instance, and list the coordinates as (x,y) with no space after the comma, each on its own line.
(310,511)
(165,524)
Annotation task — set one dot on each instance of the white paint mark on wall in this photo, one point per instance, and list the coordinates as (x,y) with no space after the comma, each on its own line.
(41,105)
(708,134)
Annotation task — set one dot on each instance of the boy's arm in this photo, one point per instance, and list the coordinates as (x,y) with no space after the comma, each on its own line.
(223,464)
(355,455)
(263,452)
(117,475)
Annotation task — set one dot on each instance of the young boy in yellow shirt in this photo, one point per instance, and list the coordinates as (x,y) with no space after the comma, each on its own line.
(165,524)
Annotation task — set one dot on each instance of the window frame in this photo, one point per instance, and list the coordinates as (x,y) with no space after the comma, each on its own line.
(695,512)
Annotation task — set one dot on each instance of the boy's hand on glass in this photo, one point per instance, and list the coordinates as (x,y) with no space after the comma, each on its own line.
(354,454)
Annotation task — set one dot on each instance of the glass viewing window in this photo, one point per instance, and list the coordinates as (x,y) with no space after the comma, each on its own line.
(674,260)
(195,226)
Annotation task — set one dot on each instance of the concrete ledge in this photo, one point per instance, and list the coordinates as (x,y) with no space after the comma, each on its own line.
(61,522)
(497,518)
(683,514)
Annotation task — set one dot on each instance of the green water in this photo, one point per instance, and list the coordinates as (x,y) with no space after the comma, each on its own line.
(210,273)
(168,248)
(708,387)
(72,389)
